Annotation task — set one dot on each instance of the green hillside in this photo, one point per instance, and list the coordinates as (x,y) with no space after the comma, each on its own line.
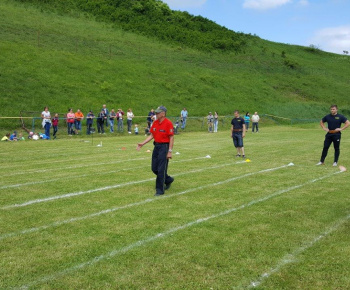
(82,59)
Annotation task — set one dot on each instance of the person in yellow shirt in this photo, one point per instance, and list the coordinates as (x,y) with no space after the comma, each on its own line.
(79,116)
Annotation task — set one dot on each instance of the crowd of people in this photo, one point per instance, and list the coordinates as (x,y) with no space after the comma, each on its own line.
(213,122)
(106,120)
(19,137)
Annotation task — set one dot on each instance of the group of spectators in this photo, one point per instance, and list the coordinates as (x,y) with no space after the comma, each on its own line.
(213,121)
(104,119)
(255,121)
(13,137)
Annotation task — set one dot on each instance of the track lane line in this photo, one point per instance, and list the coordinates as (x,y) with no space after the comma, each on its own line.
(72,194)
(291,257)
(110,210)
(164,234)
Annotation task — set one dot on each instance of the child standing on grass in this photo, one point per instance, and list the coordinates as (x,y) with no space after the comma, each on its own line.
(136,129)
(55,125)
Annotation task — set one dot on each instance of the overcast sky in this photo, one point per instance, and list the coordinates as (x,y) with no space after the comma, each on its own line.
(323,23)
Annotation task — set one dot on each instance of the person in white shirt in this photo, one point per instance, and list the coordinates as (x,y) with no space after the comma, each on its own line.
(184,115)
(255,121)
(46,121)
(210,121)
(129,117)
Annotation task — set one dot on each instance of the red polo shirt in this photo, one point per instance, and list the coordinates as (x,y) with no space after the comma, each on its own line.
(162,131)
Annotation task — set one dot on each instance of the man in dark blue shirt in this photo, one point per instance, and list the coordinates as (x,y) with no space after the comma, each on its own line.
(334,121)
(238,133)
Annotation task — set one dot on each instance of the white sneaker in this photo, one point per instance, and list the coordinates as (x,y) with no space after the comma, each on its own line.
(335,164)
(320,163)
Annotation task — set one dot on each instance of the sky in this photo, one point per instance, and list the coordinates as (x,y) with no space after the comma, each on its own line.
(324,24)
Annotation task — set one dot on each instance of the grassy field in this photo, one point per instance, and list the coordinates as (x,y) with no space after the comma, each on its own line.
(74,215)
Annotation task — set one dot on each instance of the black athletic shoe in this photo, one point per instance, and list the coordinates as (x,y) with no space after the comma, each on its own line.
(167,185)
(159,193)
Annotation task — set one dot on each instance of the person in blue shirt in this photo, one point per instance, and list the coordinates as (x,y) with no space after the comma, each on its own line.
(13,136)
(150,118)
(247,120)
(89,122)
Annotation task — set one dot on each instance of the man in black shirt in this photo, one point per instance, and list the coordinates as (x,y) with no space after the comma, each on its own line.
(238,133)
(334,121)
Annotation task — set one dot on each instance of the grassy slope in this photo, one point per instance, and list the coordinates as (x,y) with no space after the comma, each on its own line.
(71,61)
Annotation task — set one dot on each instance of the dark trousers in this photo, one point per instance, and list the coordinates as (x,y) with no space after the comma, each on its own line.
(160,166)
(88,129)
(100,127)
(70,128)
(255,126)
(129,122)
(237,139)
(55,129)
(335,138)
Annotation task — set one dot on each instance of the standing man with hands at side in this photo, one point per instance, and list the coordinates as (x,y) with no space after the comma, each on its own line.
(334,121)
(255,120)
(238,133)
(162,131)
(184,115)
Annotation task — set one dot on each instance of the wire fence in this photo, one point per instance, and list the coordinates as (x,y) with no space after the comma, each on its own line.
(30,122)
(34,123)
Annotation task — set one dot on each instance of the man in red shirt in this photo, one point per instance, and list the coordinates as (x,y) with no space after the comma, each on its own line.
(162,131)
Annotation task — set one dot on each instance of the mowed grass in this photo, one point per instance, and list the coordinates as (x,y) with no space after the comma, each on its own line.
(77,216)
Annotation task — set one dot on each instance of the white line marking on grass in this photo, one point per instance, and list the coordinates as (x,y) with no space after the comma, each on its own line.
(290,258)
(72,194)
(47,160)
(67,195)
(148,240)
(85,175)
(107,211)
(63,168)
